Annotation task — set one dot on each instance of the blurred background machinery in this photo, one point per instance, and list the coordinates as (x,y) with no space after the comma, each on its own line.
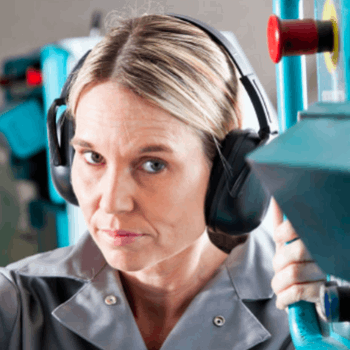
(34,218)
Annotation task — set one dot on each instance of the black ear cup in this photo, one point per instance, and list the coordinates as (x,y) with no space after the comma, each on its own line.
(62,175)
(59,135)
(61,152)
(236,201)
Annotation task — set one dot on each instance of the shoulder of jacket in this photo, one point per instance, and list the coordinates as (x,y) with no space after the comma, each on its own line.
(81,261)
(51,257)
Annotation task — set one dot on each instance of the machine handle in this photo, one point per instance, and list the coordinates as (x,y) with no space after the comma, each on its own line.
(305,329)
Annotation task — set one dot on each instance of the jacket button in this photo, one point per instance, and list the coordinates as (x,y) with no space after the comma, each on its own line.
(219,321)
(110,300)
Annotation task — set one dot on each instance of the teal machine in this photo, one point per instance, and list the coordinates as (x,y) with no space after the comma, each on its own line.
(307,168)
(30,84)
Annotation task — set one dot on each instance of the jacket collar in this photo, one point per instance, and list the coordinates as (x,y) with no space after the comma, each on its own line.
(250,266)
(82,261)
(245,275)
(115,324)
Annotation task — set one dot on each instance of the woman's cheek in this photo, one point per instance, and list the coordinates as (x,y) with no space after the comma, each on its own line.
(74,175)
(81,180)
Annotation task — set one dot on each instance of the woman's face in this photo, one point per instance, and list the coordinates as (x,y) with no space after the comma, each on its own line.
(137,170)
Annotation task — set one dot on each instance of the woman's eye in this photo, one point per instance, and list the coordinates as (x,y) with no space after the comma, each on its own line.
(92,157)
(153,166)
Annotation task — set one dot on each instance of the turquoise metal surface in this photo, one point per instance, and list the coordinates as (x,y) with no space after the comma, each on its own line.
(306,332)
(307,168)
(334,86)
(310,181)
(291,97)
(338,338)
(314,169)
(62,229)
(308,174)
(340,110)
(17,120)
(290,72)
(346,45)
(54,70)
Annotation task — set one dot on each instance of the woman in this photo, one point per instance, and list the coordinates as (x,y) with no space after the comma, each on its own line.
(150,105)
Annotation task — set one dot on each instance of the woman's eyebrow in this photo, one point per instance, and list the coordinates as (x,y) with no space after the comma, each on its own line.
(79,142)
(155,148)
(145,149)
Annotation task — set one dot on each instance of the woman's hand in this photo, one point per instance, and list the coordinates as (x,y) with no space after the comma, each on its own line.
(297,277)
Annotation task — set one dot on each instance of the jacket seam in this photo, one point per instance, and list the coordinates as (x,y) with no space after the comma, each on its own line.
(97,273)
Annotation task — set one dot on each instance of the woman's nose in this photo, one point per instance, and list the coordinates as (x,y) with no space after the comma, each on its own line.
(116,192)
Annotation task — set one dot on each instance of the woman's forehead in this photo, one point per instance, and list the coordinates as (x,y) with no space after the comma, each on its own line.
(108,110)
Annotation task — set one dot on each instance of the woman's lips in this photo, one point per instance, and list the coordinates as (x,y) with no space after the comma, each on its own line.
(122,237)
(121,233)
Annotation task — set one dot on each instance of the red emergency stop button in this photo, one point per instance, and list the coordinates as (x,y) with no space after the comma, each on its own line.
(34,77)
(298,37)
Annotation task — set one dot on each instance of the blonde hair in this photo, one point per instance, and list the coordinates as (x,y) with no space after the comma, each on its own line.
(174,65)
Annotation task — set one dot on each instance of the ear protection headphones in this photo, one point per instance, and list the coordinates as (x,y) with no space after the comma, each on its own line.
(236,200)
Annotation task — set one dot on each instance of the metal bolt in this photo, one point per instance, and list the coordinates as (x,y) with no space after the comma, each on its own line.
(110,300)
(219,321)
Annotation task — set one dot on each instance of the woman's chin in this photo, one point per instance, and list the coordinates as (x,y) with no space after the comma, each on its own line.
(122,262)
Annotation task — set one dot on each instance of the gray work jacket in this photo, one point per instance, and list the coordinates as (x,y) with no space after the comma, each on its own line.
(70,298)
